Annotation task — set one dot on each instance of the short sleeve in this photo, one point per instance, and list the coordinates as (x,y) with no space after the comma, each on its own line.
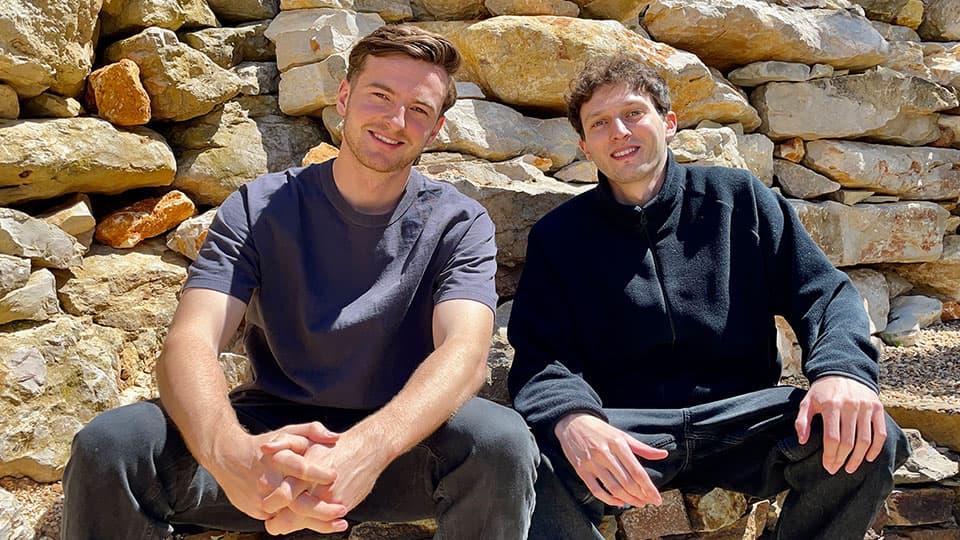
(470,271)
(228,261)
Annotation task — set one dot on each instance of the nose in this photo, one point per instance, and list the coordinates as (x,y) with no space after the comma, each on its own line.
(619,129)
(396,117)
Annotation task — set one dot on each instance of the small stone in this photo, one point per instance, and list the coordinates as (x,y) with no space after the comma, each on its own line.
(320,153)
(715,509)
(923,506)
(119,95)
(74,216)
(187,238)
(849,197)
(800,182)
(44,244)
(257,78)
(652,522)
(791,150)
(35,301)
(759,73)
(48,105)
(908,315)
(925,464)
(951,311)
(9,102)
(128,226)
(469,90)
(583,172)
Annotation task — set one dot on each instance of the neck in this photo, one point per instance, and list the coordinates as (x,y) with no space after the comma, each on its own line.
(365,190)
(637,193)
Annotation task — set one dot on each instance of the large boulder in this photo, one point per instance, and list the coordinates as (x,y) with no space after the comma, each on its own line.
(881,104)
(129,16)
(183,83)
(305,36)
(235,11)
(228,47)
(46,158)
(907,13)
(909,173)
(55,378)
(563,46)
(849,235)
(730,33)
(47,44)
(230,146)
(448,10)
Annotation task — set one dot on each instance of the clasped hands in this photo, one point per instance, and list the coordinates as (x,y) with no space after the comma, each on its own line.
(301,476)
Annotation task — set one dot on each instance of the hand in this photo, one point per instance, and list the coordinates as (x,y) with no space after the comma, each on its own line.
(600,452)
(247,475)
(300,502)
(854,426)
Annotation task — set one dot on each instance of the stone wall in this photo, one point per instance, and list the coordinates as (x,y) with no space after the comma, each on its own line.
(124,123)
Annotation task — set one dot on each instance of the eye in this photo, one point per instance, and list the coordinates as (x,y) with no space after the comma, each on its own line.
(419,110)
(598,123)
(380,95)
(635,114)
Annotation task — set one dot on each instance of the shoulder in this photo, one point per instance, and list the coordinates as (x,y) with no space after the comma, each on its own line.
(446,198)
(721,181)
(570,216)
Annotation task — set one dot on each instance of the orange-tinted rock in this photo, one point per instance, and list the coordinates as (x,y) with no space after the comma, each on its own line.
(118,95)
(951,311)
(128,226)
(320,153)
(790,150)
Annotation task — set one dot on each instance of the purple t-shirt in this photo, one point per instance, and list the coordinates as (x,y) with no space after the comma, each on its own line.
(340,304)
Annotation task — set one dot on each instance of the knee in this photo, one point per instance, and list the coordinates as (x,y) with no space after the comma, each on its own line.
(498,439)
(116,435)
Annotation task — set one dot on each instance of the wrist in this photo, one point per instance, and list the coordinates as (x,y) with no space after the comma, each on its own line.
(564,423)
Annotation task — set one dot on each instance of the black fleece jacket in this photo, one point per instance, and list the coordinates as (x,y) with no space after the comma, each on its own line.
(671,304)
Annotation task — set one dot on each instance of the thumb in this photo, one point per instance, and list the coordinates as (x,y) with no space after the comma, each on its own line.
(315,431)
(646,451)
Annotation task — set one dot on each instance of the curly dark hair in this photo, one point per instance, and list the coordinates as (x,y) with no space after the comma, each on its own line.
(409,41)
(626,69)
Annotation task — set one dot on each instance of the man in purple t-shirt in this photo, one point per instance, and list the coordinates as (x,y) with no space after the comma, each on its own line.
(369,297)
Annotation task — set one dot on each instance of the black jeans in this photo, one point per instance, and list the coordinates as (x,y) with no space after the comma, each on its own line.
(746,443)
(131,476)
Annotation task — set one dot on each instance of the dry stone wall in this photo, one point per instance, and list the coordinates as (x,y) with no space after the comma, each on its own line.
(125,123)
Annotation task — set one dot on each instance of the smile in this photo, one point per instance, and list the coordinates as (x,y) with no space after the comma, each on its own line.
(384,139)
(625,152)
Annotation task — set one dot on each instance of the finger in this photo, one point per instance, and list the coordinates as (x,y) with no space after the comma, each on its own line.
(646,451)
(284,495)
(315,431)
(636,483)
(639,474)
(878,423)
(287,441)
(804,417)
(612,488)
(849,421)
(831,438)
(288,521)
(864,438)
(594,486)
(293,464)
(620,485)
(315,508)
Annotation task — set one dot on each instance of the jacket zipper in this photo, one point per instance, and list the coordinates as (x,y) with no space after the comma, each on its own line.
(658,268)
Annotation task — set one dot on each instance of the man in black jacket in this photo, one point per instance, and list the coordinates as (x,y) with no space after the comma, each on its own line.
(645,341)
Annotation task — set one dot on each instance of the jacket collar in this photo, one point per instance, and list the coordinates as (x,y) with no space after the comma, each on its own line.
(656,210)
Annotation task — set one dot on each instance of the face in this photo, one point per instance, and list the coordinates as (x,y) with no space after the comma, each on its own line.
(391,111)
(627,138)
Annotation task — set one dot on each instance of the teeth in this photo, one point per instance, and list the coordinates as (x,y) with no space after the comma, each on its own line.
(623,152)
(385,139)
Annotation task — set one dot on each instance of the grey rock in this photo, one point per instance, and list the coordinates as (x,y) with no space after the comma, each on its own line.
(35,301)
(44,244)
(257,78)
(14,273)
(228,47)
(909,315)
(925,464)
(875,293)
(800,182)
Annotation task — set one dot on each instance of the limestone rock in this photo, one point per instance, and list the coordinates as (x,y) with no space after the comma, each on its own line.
(228,47)
(920,506)
(950,128)
(182,82)
(897,284)
(44,244)
(939,278)
(257,78)
(940,20)
(305,36)
(12,523)
(909,173)
(35,301)
(562,46)
(499,361)
(944,65)
(759,73)
(907,13)
(707,147)
(290,5)
(714,31)
(789,348)
(925,465)
(582,172)
(849,197)
(715,509)
(130,16)
(757,152)
(909,315)
(448,10)
(187,238)
(800,182)
(749,527)
(48,105)
(893,32)
(9,102)
(118,94)
(907,57)
(56,377)
(862,234)
(14,273)
(653,522)
(130,225)
(791,150)
(937,421)
(131,290)
(310,88)
(875,293)
(514,206)
(494,132)
(236,11)
(390,11)
(228,147)
(73,216)
(320,153)
(881,104)
(561,8)
(47,44)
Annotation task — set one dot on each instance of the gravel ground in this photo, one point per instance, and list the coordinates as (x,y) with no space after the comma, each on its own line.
(928,371)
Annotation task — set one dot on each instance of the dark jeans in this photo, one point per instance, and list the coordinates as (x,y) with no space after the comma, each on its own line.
(746,443)
(131,476)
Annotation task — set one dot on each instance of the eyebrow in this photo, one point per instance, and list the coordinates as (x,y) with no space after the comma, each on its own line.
(626,105)
(385,88)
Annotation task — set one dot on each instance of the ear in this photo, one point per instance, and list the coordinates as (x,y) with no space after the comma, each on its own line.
(343,95)
(583,148)
(670,119)
(436,129)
